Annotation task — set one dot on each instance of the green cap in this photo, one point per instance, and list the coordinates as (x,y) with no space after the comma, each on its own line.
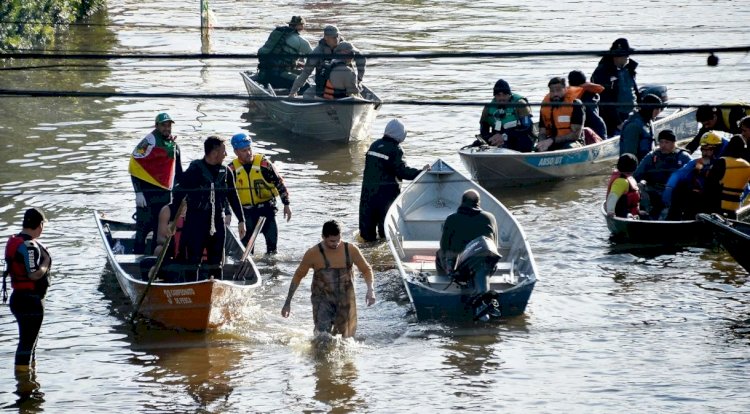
(163,117)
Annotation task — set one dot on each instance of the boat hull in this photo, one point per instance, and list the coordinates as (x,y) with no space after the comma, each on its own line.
(413,230)
(499,167)
(733,235)
(194,306)
(347,119)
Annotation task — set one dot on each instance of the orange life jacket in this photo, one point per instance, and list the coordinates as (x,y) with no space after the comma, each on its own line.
(557,118)
(329,92)
(628,202)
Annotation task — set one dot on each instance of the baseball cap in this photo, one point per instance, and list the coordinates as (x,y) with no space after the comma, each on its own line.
(163,117)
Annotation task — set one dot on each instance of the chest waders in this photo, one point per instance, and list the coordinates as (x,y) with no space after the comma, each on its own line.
(333,299)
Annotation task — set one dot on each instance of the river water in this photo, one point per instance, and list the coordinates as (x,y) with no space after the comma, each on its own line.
(608,328)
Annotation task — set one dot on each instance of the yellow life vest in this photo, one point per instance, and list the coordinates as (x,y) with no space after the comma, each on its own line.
(726,113)
(733,183)
(252,188)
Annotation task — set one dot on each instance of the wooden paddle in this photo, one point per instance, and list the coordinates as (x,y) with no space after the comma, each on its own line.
(244,266)
(163,254)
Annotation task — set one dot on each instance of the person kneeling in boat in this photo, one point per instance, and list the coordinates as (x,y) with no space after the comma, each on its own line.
(461,227)
(725,117)
(207,185)
(334,303)
(623,196)
(342,78)
(561,117)
(507,126)
(733,173)
(320,61)
(590,98)
(637,135)
(690,190)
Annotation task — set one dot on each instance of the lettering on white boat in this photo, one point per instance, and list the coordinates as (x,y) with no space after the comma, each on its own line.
(546,162)
(179,296)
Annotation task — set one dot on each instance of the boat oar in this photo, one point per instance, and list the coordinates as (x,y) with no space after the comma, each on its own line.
(244,265)
(163,254)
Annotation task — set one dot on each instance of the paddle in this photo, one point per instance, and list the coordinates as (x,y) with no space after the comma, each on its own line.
(163,254)
(245,266)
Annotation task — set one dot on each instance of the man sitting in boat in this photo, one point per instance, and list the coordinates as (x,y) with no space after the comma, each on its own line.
(342,78)
(279,59)
(637,135)
(507,126)
(745,134)
(654,171)
(725,118)
(561,117)
(320,61)
(623,196)
(733,173)
(590,99)
(208,186)
(689,190)
(461,227)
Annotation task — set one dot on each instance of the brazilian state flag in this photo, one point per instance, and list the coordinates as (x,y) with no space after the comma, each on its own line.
(153,161)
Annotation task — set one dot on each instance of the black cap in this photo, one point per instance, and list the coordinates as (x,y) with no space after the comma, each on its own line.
(667,135)
(576,78)
(627,163)
(32,218)
(501,86)
(620,47)
(651,101)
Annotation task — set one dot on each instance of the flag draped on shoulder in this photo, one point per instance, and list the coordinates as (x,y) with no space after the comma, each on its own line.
(153,161)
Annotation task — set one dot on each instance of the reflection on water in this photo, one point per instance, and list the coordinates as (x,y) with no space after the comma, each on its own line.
(30,398)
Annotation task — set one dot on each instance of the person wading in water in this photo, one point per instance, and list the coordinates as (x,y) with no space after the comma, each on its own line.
(333,299)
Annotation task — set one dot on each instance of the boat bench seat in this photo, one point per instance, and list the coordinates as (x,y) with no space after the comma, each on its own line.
(420,264)
(123,234)
(129,259)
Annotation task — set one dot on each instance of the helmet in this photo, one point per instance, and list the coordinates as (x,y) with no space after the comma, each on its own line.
(710,138)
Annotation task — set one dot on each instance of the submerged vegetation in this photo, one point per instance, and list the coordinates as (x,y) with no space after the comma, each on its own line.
(34,23)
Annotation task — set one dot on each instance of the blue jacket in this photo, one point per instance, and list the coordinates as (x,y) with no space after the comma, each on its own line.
(656,167)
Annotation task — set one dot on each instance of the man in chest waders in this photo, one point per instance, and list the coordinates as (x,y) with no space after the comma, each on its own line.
(333,300)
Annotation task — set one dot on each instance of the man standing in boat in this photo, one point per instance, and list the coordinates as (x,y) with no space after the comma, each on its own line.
(655,169)
(384,169)
(320,62)
(637,135)
(460,228)
(279,59)
(154,166)
(507,126)
(208,186)
(616,73)
(561,117)
(334,302)
(258,184)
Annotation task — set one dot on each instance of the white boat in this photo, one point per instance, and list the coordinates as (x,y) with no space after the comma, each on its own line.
(342,120)
(414,227)
(496,167)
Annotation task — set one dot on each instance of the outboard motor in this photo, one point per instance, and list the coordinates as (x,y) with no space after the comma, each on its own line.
(658,90)
(474,267)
